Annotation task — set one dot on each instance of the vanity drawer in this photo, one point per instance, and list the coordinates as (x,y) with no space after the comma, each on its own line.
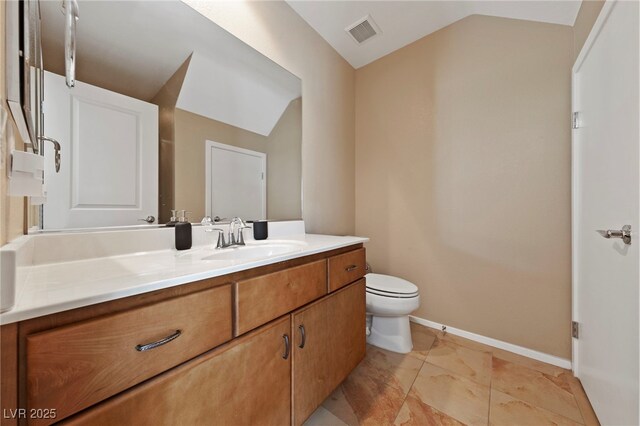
(264,298)
(72,367)
(346,268)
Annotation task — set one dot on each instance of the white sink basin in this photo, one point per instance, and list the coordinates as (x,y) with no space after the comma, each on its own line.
(256,250)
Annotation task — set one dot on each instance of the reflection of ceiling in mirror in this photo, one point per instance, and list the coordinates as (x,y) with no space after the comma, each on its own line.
(134,47)
(234,94)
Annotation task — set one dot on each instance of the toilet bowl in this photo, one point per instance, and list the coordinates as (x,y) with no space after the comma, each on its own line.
(390,300)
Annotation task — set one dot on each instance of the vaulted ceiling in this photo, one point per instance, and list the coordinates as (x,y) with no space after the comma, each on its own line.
(403,22)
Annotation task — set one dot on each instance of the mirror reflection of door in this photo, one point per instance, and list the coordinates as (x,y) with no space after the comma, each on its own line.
(236,182)
(109,157)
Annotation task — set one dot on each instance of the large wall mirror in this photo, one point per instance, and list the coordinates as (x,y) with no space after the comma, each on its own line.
(169,111)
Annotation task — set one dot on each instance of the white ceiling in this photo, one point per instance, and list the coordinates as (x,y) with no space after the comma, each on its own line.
(245,97)
(134,47)
(403,22)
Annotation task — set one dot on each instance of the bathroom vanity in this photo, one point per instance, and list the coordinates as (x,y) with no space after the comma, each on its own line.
(263,344)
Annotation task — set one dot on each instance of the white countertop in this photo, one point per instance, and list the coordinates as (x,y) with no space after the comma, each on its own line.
(49,288)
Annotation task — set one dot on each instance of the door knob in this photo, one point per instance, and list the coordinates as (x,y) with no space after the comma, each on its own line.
(624,233)
(148,219)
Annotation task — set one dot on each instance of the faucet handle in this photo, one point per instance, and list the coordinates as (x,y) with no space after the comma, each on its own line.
(241,235)
(207,222)
(238,221)
(221,242)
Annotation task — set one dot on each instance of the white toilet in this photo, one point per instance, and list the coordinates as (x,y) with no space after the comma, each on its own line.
(390,300)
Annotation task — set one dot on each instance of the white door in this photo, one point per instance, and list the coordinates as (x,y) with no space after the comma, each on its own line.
(109,170)
(236,182)
(605,196)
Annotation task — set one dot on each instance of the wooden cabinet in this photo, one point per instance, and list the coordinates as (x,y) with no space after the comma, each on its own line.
(263,298)
(329,342)
(346,268)
(70,368)
(299,327)
(246,382)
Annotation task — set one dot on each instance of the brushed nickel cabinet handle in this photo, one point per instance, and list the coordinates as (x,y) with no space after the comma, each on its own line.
(303,336)
(285,355)
(351,268)
(152,345)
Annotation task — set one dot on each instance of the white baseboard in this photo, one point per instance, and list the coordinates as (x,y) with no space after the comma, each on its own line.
(529,353)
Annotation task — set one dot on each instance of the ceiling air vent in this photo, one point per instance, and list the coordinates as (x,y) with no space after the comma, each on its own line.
(363,29)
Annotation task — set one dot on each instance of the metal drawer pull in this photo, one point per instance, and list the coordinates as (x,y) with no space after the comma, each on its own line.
(351,268)
(285,355)
(624,233)
(303,336)
(149,346)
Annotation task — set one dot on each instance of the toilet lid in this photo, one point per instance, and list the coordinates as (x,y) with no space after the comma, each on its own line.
(390,286)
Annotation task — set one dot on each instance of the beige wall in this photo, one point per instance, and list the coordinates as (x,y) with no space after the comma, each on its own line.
(463,176)
(328,151)
(11,208)
(282,147)
(587,15)
(166,99)
(284,165)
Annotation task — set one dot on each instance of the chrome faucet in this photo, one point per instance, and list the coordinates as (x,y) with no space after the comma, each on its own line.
(235,236)
(237,225)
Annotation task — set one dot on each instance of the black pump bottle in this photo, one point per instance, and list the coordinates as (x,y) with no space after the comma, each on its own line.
(183,232)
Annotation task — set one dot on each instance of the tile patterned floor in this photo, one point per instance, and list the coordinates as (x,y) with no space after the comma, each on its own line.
(449,380)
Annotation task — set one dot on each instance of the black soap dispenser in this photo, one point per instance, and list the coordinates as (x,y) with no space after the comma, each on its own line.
(183,232)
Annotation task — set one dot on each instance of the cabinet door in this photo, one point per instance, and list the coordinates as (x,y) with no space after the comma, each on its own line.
(334,343)
(247,382)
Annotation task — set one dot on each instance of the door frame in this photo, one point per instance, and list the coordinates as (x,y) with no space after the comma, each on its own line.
(575,146)
(207,196)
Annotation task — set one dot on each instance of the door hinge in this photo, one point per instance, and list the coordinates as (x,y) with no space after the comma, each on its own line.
(575,120)
(575,329)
